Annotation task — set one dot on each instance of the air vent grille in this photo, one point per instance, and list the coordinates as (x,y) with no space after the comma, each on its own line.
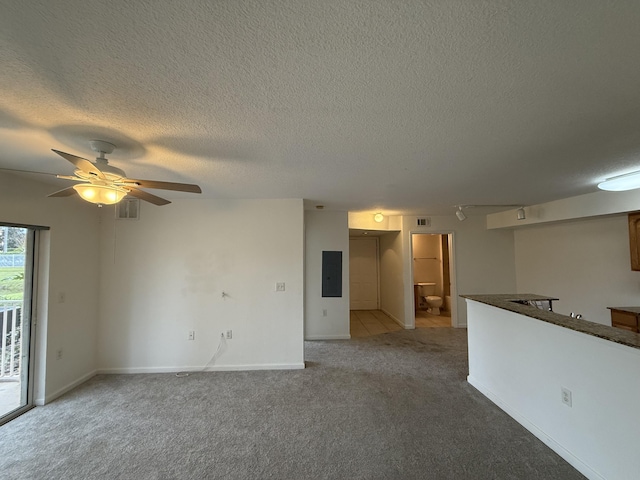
(128,209)
(424,222)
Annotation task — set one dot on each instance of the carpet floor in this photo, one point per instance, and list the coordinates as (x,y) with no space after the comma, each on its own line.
(393,406)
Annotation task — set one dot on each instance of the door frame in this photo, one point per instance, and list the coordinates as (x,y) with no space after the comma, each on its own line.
(28,322)
(452,276)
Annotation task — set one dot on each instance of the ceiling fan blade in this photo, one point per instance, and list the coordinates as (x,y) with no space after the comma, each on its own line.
(65,192)
(147,197)
(26,171)
(82,163)
(180,187)
(71,177)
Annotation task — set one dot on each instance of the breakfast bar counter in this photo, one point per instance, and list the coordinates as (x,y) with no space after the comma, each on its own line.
(573,383)
(515,302)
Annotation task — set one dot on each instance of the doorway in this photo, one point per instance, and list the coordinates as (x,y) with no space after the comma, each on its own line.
(363,273)
(432,279)
(16,285)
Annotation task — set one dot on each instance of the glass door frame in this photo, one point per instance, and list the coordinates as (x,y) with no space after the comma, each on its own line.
(27,323)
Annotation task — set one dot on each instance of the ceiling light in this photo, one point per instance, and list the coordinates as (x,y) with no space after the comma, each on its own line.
(378,217)
(460,214)
(521,214)
(621,182)
(100,194)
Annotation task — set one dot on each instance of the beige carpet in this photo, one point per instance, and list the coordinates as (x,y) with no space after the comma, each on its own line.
(392,406)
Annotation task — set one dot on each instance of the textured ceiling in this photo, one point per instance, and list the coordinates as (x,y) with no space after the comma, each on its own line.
(398,106)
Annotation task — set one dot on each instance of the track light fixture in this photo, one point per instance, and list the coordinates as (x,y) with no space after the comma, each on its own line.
(461,216)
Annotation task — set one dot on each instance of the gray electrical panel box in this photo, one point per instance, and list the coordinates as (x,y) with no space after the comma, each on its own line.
(331,274)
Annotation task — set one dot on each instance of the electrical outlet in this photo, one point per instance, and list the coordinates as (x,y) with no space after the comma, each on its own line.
(229,334)
(59,354)
(566,396)
(324,312)
(191,335)
(280,287)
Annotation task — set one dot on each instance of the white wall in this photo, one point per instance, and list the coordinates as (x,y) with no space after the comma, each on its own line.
(325,231)
(585,263)
(521,364)
(391,276)
(427,260)
(483,260)
(365,221)
(70,265)
(164,275)
(582,206)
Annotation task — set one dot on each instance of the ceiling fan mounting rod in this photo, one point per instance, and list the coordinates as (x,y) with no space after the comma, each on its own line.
(102,148)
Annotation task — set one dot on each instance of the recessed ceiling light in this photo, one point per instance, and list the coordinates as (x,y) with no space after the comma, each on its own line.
(621,182)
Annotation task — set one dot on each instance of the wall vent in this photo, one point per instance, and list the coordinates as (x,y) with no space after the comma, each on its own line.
(424,222)
(128,209)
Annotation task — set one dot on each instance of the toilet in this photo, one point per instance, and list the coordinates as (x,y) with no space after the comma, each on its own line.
(427,291)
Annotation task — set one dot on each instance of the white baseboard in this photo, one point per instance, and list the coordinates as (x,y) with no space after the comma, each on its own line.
(574,461)
(52,396)
(393,318)
(214,368)
(328,337)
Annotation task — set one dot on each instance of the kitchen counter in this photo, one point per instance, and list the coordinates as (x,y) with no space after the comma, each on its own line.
(626,318)
(570,382)
(635,310)
(509,302)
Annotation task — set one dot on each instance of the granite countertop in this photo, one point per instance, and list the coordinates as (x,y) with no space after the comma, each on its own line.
(508,302)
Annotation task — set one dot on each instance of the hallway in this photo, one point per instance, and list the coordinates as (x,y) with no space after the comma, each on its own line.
(368,323)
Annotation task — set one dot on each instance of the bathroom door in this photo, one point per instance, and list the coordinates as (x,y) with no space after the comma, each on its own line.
(363,273)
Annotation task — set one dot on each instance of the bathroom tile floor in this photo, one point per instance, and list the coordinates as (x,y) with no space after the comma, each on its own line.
(366,323)
(426,320)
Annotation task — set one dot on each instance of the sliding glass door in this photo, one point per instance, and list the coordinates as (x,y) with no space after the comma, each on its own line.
(16,287)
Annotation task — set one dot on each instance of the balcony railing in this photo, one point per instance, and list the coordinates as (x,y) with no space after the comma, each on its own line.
(10,325)
(12,259)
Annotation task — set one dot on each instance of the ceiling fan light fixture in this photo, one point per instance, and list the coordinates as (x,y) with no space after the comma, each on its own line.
(621,183)
(104,184)
(100,194)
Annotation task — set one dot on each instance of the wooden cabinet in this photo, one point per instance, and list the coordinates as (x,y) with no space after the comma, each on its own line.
(625,318)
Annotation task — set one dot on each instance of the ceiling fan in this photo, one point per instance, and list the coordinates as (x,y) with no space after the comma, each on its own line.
(104,184)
